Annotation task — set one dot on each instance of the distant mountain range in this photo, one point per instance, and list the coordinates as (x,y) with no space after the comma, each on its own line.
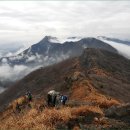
(47,51)
(114,40)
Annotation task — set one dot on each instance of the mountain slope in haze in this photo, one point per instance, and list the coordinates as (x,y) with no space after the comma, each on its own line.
(94,82)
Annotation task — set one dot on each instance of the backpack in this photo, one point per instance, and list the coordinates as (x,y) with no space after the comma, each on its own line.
(29,95)
(64,98)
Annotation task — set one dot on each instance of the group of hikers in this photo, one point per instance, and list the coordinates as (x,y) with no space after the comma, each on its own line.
(54,99)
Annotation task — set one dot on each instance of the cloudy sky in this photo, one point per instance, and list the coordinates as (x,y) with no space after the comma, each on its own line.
(28,22)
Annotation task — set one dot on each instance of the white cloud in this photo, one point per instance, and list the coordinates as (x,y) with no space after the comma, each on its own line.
(4,61)
(29,21)
(16,72)
(122,48)
(2,89)
(13,73)
(31,58)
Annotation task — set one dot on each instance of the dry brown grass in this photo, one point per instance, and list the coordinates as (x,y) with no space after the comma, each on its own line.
(86,111)
(81,90)
(101,100)
(85,92)
(100,72)
(48,119)
(37,120)
(21,101)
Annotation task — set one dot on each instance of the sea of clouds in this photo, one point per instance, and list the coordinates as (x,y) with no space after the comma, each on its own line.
(123,49)
(17,72)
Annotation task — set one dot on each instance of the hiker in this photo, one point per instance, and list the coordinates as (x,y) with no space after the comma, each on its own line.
(58,100)
(51,97)
(18,107)
(29,96)
(63,99)
(48,99)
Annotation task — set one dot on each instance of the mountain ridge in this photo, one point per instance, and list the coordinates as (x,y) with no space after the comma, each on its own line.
(95,64)
(47,48)
(115,40)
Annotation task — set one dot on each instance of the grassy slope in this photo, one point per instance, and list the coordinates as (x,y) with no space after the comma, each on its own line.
(86,80)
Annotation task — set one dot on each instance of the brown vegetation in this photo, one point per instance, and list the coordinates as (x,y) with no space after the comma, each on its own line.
(84,92)
(90,82)
(48,118)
